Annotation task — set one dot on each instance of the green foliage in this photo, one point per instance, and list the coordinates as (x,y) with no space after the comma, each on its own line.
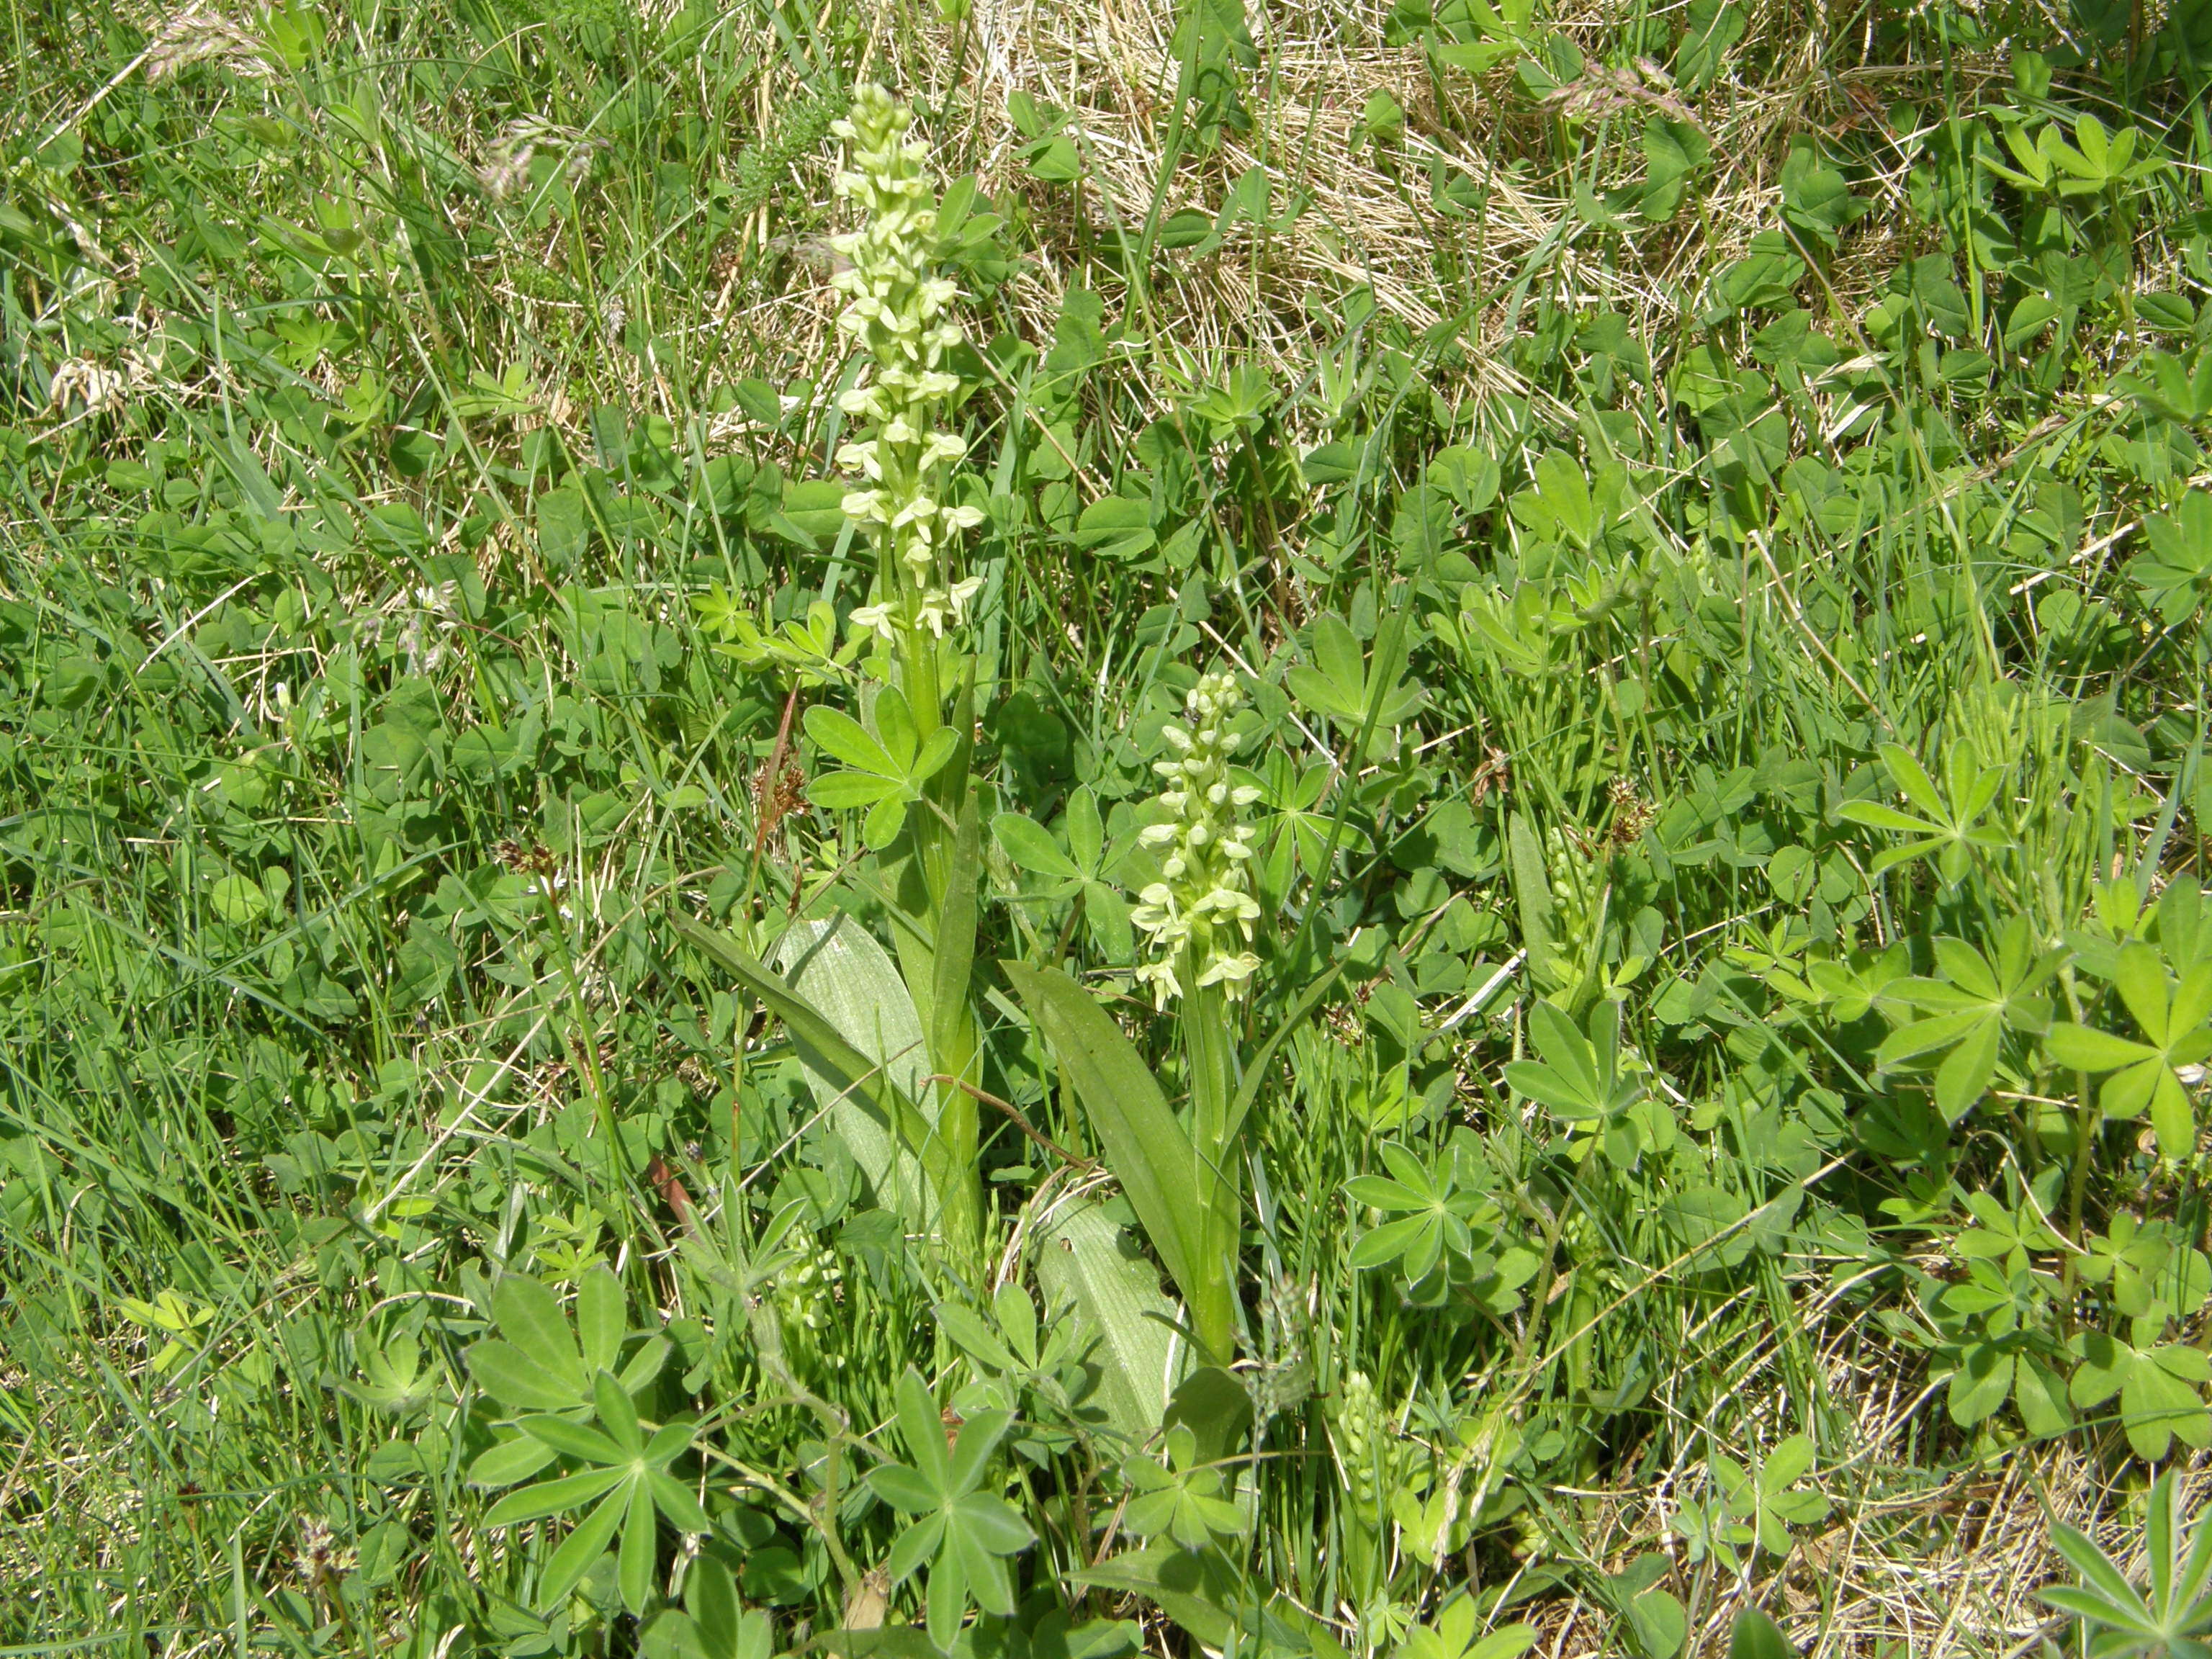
(612,1039)
(536,1362)
(1454,1636)
(1445,1232)
(626,1480)
(1581,1080)
(1755,1636)
(2172,1019)
(588,1420)
(1948,828)
(1180,1499)
(1754,1507)
(1968,1009)
(884,771)
(2176,575)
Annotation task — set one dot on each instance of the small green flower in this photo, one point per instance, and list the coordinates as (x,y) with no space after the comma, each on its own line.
(808,1295)
(1199,914)
(1364,1445)
(897,312)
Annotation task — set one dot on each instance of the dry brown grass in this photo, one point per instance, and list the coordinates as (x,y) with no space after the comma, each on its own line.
(1908,1564)
(1369,220)
(1913,1562)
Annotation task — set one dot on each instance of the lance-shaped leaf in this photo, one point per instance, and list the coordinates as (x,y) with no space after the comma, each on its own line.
(1095,1282)
(854,1071)
(1532,895)
(952,952)
(1031,848)
(1147,1147)
(1258,1065)
(844,974)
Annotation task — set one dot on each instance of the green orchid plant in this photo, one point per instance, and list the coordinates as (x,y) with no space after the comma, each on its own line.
(897,1053)
(1182,1171)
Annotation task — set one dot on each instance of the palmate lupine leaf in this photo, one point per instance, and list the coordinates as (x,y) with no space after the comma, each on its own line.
(1428,1215)
(2160,1390)
(1968,1012)
(2176,575)
(1077,872)
(1456,1634)
(964,1533)
(2173,1020)
(884,769)
(1181,1497)
(535,1363)
(1948,828)
(578,1407)
(1342,684)
(1579,1078)
(2174,1618)
(628,1482)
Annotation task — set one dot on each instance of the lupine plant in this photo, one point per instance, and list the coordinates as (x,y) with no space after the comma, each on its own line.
(2171,1616)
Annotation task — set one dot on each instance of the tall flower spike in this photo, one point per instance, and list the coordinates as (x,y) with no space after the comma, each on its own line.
(897,312)
(1199,916)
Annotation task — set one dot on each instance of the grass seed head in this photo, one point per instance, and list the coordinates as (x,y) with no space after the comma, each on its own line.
(201,34)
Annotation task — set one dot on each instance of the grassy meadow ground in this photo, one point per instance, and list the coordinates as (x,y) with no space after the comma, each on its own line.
(1706,505)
